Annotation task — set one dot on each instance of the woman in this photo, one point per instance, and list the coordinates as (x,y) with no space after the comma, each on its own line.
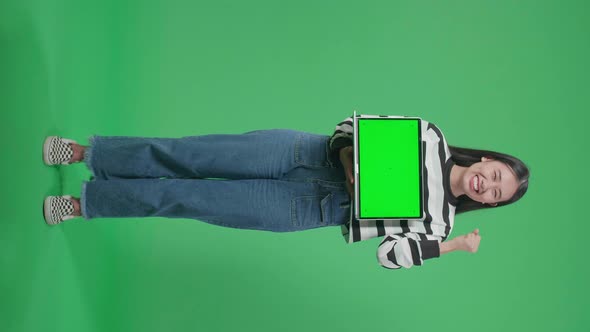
(281,180)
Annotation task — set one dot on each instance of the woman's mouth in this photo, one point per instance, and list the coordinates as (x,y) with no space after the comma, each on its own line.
(475,184)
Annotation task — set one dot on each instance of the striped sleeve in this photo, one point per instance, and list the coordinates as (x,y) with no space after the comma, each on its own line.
(342,135)
(407,250)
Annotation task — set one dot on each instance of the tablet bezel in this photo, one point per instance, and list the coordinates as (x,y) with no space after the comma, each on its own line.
(356,118)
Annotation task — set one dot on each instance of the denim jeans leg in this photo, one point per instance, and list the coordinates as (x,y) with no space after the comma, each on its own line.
(260,154)
(262,204)
(313,189)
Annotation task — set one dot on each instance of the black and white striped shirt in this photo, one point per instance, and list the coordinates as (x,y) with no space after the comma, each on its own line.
(409,242)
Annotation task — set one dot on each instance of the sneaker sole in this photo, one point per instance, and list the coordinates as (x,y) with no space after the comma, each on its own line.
(47,210)
(46,150)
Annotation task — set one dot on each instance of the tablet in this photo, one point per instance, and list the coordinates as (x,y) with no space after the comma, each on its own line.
(388,167)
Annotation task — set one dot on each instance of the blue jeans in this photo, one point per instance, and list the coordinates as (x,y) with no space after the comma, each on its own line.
(276,180)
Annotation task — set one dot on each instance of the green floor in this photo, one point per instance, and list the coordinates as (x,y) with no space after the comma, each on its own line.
(511,76)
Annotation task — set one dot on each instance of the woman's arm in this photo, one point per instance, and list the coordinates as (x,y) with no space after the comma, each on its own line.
(409,249)
(342,135)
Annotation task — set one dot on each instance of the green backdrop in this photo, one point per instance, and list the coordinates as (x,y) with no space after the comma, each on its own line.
(511,76)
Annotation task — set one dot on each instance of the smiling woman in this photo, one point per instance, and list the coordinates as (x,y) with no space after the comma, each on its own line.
(482,188)
(484,179)
(456,180)
(280,180)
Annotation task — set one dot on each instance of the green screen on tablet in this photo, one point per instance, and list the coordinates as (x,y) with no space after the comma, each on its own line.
(389,168)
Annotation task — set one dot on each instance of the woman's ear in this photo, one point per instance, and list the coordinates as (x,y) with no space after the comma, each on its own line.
(485,159)
(494,204)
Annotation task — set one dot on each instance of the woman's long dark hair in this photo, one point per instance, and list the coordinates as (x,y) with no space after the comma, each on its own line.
(466,157)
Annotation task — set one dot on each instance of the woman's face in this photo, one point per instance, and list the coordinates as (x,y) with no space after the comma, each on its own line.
(489,181)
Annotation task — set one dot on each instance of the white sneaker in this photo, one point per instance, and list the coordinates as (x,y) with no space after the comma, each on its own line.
(57,150)
(57,209)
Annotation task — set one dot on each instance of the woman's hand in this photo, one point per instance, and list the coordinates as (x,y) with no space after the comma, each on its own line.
(468,242)
(347,161)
